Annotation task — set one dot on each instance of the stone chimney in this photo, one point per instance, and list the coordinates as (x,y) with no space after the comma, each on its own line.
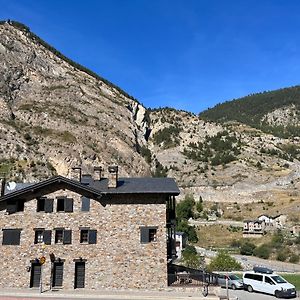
(112,176)
(2,185)
(98,170)
(75,174)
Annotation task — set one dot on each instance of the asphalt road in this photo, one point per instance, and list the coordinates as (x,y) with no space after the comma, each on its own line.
(250,261)
(244,295)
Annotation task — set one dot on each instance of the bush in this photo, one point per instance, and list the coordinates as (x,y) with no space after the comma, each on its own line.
(224,262)
(235,244)
(247,248)
(277,240)
(294,258)
(281,256)
(262,251)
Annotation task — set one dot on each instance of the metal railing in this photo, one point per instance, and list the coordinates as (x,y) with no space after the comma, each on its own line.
(189,277)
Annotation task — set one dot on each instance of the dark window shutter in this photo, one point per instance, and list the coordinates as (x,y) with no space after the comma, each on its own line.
(68,205)
(85,203)
(67,236)
(48,205)
(11,207)
(20,205)
(11,237)
(92,236)
(144,235)
(47,237)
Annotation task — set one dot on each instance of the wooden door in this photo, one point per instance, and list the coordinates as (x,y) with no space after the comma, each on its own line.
(35,275)
(58,273)
(79,275)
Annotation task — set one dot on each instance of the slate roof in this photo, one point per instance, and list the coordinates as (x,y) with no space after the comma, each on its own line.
(95,189)
(50,185)
(141,185)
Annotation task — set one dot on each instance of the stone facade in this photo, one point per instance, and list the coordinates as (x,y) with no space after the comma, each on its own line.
(117,260)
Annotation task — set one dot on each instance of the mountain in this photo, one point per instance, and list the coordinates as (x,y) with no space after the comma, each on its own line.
(56,114)
(275,112)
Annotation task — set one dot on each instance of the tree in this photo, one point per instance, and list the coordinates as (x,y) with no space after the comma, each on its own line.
(199,206)
(224,262)
(190,257)
(184,209)
(189,230)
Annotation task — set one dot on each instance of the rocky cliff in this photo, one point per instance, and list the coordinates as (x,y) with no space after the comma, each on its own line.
(55,114)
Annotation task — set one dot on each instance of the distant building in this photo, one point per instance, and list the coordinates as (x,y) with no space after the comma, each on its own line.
(254,228)
(181,240)
(276,222)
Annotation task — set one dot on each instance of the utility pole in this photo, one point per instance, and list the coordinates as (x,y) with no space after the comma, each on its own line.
(42,260)
(227,291)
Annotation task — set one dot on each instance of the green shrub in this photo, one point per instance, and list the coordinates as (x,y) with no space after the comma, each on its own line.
(247,248)
(262,251)
(224,262)
(294,258)
(282,256)
(190,257)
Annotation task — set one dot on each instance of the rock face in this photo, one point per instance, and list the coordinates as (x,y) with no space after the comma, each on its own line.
(224,163)
(54,116)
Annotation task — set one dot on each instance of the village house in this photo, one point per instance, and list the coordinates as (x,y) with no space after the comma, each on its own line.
(88,233)
(253,228)
(273,223)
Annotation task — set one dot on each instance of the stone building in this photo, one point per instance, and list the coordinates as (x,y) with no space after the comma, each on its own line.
(93,233)
(253,228)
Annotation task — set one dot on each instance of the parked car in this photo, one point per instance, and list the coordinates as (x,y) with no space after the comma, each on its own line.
(266,281)
(234,282)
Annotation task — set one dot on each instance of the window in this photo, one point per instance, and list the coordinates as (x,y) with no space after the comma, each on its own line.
(40,204)
(64,205)
(45,205)
(63,236)
(39,236)
(88,236)
(254,276)
(148,234)
(85,203)
(11,236)
(15,206)
(269,280)
(42,236)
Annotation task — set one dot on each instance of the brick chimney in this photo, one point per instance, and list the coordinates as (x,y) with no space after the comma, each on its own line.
(112,176)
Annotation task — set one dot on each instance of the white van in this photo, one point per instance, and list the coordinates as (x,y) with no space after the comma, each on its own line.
(265,281)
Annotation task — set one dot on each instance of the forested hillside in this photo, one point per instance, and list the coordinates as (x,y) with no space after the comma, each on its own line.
(253,109)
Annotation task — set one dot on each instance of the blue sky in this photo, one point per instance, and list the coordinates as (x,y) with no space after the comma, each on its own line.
(186,54)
